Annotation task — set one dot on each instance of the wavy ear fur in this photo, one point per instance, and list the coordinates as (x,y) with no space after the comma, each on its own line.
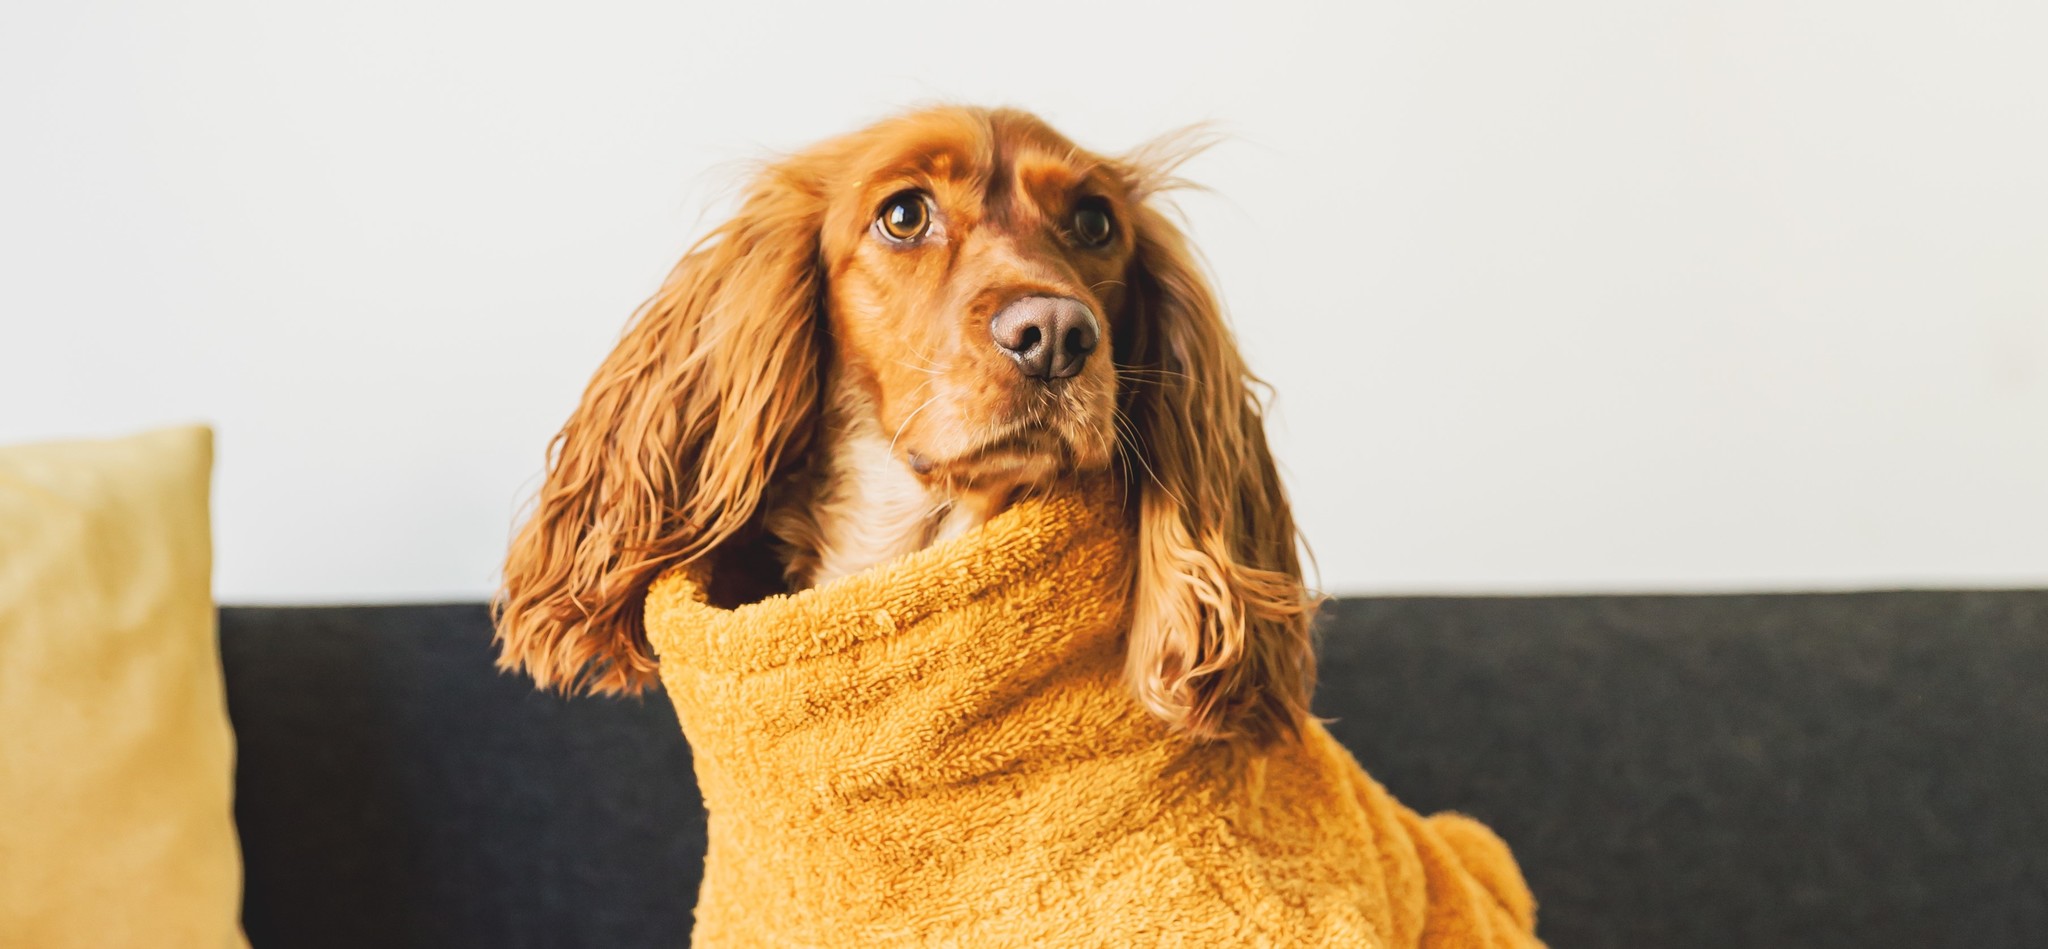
(713,387)
(1219,644)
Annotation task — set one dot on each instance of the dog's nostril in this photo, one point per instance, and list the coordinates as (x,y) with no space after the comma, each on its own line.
(1080,342)
(1029,339)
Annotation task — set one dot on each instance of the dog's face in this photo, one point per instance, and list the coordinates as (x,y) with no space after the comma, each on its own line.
(973,290)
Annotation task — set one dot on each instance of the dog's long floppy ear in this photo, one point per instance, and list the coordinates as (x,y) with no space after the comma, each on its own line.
(713,386)
(1219,644)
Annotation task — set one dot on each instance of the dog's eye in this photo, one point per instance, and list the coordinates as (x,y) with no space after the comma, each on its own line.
(1092,225)
(904,216)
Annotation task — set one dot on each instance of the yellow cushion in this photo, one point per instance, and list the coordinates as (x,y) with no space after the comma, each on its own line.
(116,760)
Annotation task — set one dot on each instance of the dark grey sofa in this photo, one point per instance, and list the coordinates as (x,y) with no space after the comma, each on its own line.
(1863,770)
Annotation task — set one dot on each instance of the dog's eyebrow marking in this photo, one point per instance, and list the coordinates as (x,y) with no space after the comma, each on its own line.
(996,190)
(1049,183)
(930,160)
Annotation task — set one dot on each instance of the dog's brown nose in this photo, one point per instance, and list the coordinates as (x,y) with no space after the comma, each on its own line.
(1049,337)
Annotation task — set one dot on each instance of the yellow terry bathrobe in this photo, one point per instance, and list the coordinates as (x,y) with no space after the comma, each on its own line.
(940,751)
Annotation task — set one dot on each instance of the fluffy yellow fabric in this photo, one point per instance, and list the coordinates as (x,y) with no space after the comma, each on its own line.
(116,760)
(941,751)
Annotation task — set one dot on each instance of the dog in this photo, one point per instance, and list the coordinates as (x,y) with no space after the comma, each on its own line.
(986,713)
(899,332)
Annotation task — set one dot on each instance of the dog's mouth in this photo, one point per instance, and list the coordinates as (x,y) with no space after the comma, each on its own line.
(1005,450)
(1022,451)
(1020,435)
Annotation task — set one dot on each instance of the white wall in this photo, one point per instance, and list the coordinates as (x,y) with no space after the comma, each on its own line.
(1574,296)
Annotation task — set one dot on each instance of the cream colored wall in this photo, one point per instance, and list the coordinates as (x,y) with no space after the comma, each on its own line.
(1578,296)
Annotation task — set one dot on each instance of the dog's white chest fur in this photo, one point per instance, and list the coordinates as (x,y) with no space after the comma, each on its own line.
(869,507)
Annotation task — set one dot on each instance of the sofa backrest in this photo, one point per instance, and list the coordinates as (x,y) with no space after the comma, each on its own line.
(1791,770)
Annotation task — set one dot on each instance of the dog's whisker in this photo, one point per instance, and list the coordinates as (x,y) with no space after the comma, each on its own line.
(923,369)
(1131,430)
(906,421)
(1151,372)
(927,360)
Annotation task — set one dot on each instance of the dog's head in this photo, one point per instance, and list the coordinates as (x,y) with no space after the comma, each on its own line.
(1011,309)
(975,270)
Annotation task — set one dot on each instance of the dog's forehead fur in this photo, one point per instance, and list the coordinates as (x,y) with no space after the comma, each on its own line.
(983,167)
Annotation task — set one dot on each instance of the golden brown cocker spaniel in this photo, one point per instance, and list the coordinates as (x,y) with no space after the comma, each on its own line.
(900,331)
